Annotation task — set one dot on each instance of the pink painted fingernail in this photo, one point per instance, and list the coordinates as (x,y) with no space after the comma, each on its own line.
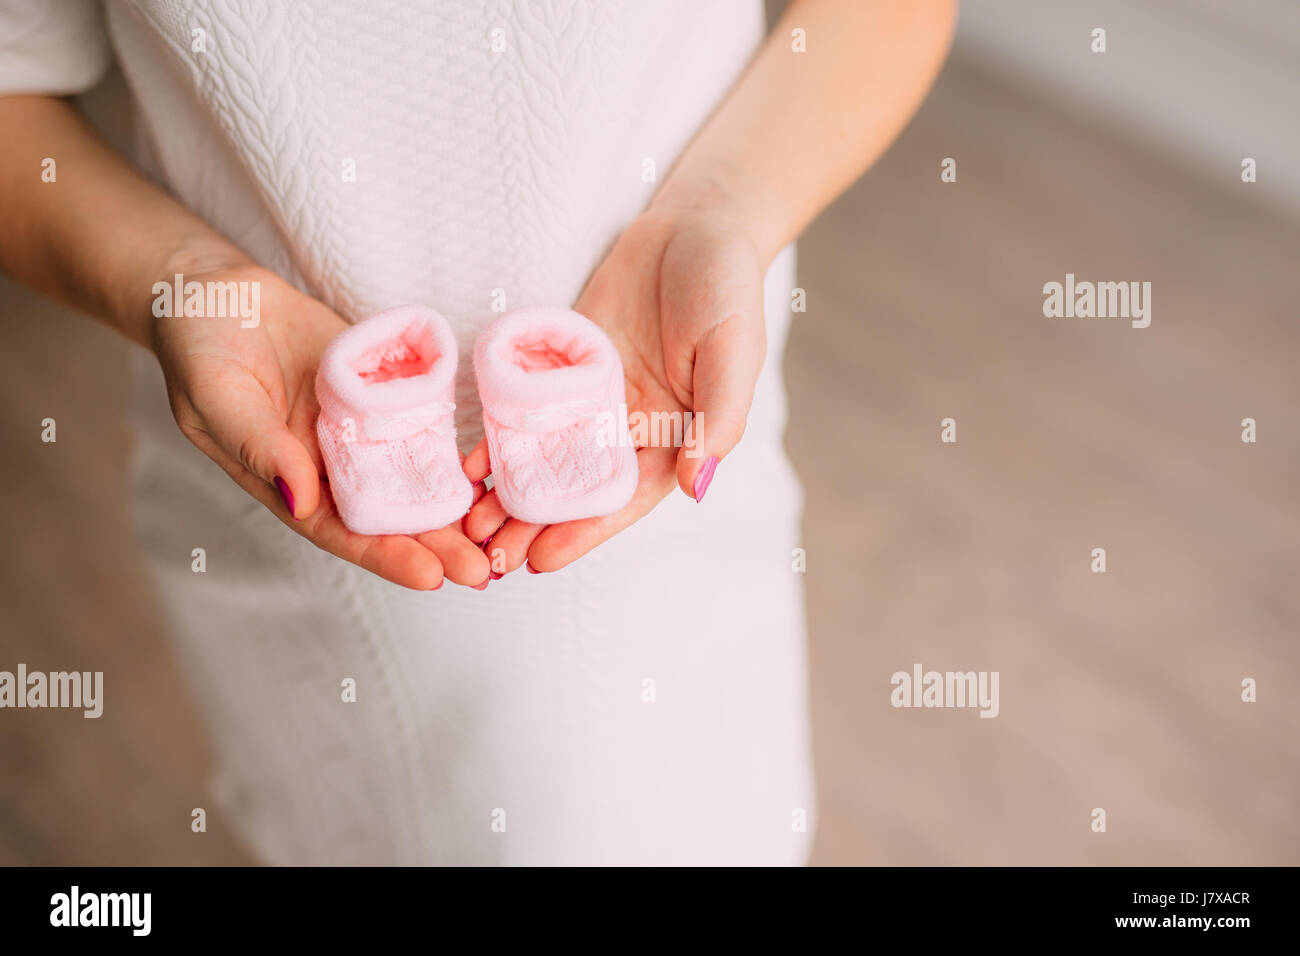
(531,569)
(705,476)
(283,487)
(494,576)
(483,586)
(487,541)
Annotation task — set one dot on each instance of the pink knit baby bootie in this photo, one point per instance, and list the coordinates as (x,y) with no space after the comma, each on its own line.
(552,386)
(386,431)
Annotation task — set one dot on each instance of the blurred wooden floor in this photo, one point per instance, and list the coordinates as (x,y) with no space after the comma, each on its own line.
(1119,691)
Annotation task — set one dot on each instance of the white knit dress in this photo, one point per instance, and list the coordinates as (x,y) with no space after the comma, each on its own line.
(646,704)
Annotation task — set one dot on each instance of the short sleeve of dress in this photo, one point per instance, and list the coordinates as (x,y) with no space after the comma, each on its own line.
(54,47)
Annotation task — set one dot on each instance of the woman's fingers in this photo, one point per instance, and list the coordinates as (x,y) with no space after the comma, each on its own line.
(560,544)
(240,418)
(485,516)
(504,541)
(728,359)
(477,466)
(396,558)
(507,549)
(462,561)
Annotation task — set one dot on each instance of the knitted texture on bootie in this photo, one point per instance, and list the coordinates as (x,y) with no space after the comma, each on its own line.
(551,383)
(386,428)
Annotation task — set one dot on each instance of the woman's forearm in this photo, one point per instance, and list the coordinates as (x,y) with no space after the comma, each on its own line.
(800,127)
(95,234)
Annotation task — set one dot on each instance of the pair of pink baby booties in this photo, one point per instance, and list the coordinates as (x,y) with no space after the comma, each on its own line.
(547,378)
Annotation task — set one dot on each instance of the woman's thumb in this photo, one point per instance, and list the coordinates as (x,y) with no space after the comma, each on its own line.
(245,425)
(728,359)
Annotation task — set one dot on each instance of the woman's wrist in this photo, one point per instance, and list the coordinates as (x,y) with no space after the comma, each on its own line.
(138,310)
(720,192)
